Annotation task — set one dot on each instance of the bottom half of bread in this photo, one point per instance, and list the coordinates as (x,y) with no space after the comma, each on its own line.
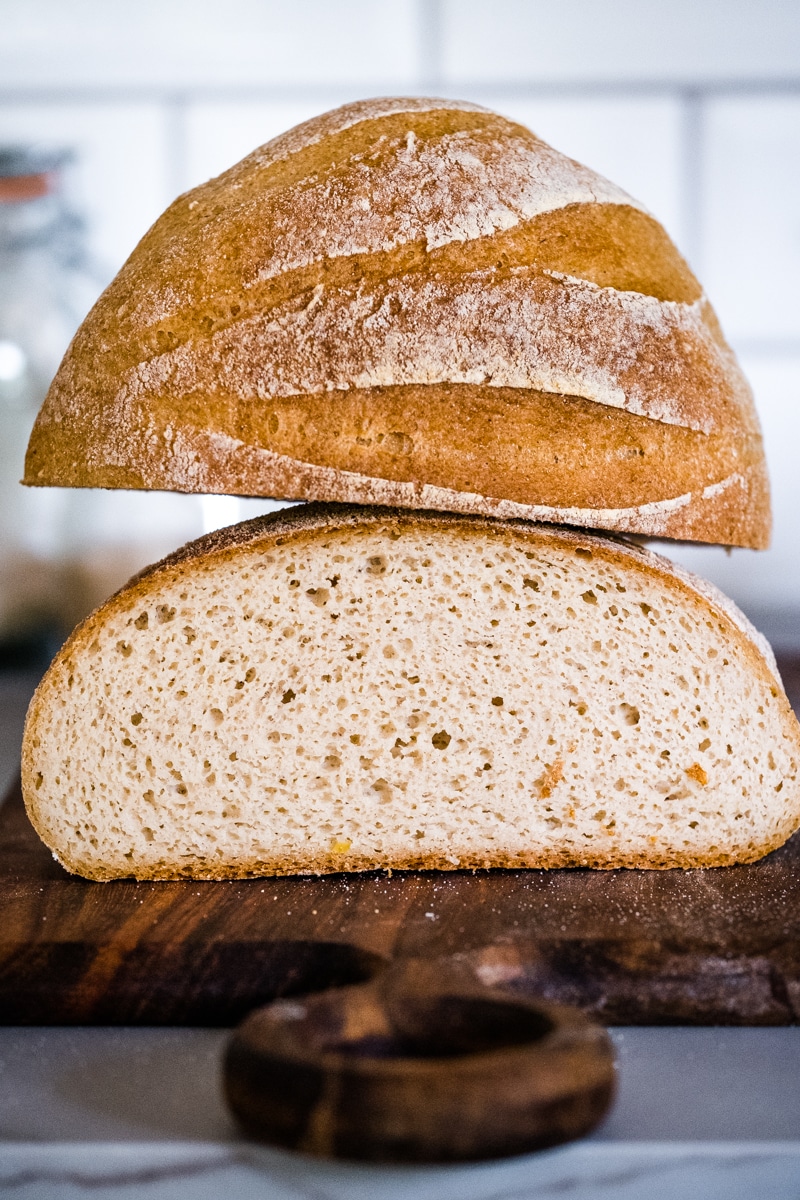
(351,689)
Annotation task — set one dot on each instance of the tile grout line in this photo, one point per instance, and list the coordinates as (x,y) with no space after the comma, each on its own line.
(430,37)
(691,177)
(765,347)
(429,24)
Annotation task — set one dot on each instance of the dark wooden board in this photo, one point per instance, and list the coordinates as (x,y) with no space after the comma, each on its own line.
(648,947)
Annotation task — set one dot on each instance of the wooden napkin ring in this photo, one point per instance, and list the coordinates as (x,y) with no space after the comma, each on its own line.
(421,1064)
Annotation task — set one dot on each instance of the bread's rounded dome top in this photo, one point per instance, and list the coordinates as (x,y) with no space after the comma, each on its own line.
(418,302)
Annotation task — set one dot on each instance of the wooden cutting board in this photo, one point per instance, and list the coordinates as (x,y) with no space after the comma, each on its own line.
(645,947)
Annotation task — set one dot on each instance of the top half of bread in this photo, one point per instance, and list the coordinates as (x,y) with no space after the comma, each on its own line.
(417,302)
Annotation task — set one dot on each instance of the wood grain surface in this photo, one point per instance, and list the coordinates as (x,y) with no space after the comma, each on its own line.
(720,945)
(422,1064)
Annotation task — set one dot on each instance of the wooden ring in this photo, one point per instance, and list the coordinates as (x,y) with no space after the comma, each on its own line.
(420,1065)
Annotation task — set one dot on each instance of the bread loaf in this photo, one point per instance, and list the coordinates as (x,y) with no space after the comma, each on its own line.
(414,302)
(341,688)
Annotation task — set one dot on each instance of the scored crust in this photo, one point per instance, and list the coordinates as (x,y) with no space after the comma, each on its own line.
(406,295)
(298,530)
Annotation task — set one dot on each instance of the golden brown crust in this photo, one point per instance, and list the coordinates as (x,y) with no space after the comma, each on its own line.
(677,482)
(511,328)
(306,521)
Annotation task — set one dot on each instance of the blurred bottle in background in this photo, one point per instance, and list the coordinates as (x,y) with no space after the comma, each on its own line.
(46,287)
(62,551)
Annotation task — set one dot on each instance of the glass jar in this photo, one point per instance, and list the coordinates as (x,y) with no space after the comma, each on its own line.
(45,289)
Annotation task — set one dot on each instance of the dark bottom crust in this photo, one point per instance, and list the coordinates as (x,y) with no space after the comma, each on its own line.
(330,864)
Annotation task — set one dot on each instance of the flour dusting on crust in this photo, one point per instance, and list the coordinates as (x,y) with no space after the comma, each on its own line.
(655,358)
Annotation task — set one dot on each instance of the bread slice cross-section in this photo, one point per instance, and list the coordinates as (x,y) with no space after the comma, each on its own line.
(341,688)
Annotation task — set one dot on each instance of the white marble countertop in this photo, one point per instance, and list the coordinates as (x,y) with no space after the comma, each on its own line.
(701,1114)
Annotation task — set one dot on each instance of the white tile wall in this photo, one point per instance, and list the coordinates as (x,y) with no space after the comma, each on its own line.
(751,214)
(693,106)
(620,40)
(203,43)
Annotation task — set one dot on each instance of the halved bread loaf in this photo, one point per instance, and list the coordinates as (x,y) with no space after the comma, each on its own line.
(414,302)
(336,688)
